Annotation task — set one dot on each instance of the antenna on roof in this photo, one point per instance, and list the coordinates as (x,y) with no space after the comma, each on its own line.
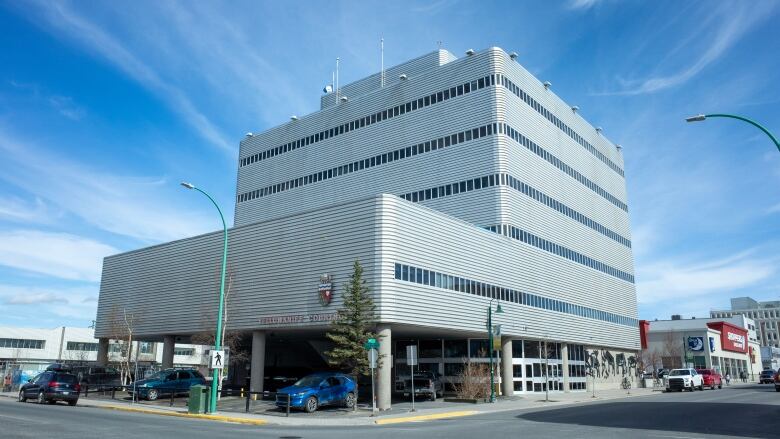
(382,48)
(337,79)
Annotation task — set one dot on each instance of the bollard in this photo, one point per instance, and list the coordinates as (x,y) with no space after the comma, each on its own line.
(288,406)
(248,398)
(113,393)
(173,393)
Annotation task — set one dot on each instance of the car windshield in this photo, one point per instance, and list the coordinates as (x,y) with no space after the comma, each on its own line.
(309,381)
(680,372)
(703,372)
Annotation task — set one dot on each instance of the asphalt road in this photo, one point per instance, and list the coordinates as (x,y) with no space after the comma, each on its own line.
(752,411)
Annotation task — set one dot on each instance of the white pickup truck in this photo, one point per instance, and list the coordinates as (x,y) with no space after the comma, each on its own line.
(682,379)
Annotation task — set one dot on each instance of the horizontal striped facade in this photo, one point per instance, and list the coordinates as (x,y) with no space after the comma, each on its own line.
(488,176)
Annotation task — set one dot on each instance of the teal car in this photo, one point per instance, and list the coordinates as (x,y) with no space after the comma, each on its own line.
(166,382)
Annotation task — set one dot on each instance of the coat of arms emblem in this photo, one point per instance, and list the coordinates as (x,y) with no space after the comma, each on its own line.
(326,289)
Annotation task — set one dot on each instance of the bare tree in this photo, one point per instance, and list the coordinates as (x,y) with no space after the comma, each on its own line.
(671,351)
(472,381)
(231,340)
(650,358)
(122,326)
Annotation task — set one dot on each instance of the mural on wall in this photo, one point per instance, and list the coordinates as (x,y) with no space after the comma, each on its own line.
(603,364)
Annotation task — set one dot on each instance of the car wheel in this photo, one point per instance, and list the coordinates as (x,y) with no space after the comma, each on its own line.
(777,389)
(152,395)
(349,401)
(311,404)
(701,386)
(41,398)
(72,403)
(433,396)
(22,398)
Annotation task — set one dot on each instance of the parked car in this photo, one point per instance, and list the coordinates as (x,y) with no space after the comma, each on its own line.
(318,389)
(766,376)
(662,373)
(97,377)
(777,381)
(166,382)
(50,387)
(711,378)
(681,379)
(427,384)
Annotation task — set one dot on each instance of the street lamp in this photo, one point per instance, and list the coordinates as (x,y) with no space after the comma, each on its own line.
(702,117)
(490,343)
(218,335)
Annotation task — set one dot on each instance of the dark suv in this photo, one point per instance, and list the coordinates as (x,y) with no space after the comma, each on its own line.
(50,387)
(767,376)
(166,382)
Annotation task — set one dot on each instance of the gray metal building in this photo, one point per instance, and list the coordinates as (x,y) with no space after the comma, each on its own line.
(458,181)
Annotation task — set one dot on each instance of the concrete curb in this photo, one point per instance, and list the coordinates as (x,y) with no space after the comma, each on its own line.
(220,418)
(431,417)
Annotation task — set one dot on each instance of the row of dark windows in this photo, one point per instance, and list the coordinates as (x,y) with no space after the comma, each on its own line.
(517,91)
(564,252)
(389,113)
(81,346)
(381,159)
(455,283)
(433,145)
(506,179)
(22,343)
(558,163)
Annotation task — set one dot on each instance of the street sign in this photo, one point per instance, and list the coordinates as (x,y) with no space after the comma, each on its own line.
(373,355)
(216,359)
(411,355)
(372,343)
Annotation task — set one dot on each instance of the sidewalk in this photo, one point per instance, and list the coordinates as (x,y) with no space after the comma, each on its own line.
(232,409)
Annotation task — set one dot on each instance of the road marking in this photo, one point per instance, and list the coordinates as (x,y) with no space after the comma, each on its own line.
(19,418)
(426,417)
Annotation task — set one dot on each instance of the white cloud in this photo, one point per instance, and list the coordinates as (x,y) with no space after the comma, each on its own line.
(138,207)
(736,19)
(34,211)
(60,17)
(671,280)
(53,306)
(59,255)
(67,107)
(583,4)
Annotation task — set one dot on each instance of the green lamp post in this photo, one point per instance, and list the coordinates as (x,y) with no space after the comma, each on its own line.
(218,335)
(702,117)
(490,343)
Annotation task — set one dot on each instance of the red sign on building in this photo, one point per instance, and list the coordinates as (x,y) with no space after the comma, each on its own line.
(732,338)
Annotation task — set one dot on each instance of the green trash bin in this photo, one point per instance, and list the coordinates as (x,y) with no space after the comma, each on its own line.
(198,399)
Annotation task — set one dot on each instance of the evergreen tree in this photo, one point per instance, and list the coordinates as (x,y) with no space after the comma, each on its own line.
(350,330)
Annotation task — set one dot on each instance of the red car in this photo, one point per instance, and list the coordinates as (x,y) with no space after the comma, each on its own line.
(711,378)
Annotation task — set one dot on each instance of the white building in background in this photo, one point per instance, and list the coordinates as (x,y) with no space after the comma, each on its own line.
(457,183)
(765,314)
(30,350)
(727,345)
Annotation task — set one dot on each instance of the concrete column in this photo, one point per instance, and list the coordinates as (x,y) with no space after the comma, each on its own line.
(507,371)
(169,342)
(102,352)
(384,374)
(565,366)
(257,370)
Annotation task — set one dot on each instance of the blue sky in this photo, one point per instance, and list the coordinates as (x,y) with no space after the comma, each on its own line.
(106,107)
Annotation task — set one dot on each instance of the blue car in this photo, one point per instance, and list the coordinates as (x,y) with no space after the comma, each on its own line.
(313,391)
(165,382)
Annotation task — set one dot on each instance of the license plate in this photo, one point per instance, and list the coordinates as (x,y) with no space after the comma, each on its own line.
(65,393)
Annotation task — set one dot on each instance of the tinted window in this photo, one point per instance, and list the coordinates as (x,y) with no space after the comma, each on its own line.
(184,375)
(65,378)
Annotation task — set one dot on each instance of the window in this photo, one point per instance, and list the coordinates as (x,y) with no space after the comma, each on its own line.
(81,346)
(20,343)
(184,352)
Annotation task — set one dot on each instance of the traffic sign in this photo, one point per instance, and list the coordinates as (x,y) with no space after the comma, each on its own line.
(372,343)
(411,355)
(373,355)
(216,359)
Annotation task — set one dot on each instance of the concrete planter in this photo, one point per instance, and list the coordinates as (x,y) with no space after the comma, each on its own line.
(467,400)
